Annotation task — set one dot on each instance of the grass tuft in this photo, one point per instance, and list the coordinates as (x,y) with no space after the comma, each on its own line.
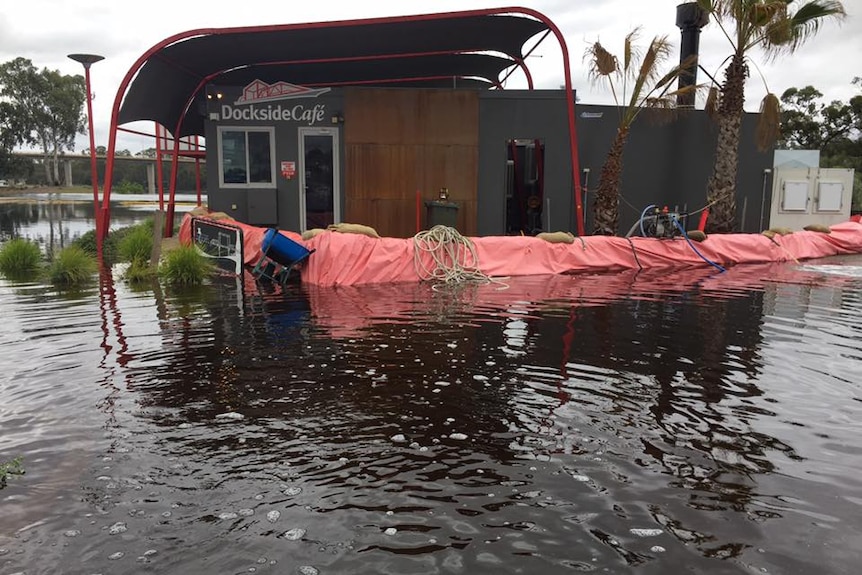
(19,258)
(185,266)
(72,266)
(136,245)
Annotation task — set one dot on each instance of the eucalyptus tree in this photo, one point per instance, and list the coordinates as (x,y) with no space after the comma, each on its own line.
(778,27)
(47,108)
(636,83)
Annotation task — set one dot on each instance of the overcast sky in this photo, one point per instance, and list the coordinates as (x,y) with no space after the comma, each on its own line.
(45,31)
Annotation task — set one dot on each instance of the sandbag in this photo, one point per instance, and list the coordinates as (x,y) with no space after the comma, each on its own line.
(780,231)
(354,229)
(823,229)
(556,237)
(696,235)
(308,234)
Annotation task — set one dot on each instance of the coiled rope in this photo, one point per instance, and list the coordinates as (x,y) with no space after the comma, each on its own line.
(453,256)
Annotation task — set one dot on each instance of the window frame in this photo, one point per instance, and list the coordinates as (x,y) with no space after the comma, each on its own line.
(273,183)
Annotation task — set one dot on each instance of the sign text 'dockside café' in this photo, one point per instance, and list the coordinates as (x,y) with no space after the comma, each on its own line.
(298,113)
(257,104)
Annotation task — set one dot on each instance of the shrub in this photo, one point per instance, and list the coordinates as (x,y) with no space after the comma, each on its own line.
(72,266)
(136,245)
(87,243)
(129,187)
(19,257)
(185,265)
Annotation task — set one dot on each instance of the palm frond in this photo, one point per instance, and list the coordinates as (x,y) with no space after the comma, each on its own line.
(657,52)
(601,63)
(685,70)
(630,50)
(769,122)
(663,109)
(786,32)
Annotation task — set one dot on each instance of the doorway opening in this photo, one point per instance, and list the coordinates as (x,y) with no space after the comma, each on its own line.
(319,181)
(525,186)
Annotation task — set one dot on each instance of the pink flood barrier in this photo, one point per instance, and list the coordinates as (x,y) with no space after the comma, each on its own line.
(352,259)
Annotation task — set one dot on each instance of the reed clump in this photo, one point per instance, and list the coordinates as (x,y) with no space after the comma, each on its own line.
(185,266)
(136,245)
(20,258)
(72,266)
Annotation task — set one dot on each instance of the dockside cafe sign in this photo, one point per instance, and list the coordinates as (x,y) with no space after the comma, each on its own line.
(262,102)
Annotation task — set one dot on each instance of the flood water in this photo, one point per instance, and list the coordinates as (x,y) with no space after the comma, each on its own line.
(56,219)
(622,423)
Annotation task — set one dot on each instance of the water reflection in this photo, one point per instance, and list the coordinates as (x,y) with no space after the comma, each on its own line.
(625,422)
(55,219)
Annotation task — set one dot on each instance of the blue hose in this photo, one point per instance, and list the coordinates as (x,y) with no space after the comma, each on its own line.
(704,258)
(643,214)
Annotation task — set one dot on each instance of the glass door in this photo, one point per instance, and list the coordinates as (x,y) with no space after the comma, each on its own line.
(319,181)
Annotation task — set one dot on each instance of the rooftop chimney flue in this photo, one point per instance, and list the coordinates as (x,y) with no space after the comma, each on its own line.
(690,18)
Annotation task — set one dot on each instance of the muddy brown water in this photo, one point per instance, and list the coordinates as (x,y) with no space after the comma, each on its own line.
(622,423)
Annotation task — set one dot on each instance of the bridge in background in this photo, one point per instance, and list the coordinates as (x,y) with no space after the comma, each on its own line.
(67,159)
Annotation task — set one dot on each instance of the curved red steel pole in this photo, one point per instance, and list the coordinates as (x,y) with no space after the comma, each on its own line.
(570,113)
(124,84)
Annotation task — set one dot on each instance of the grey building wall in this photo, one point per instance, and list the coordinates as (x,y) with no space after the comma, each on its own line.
(523,114)
(265,206)
(669,164)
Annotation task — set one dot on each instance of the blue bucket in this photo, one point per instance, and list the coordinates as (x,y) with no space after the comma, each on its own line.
(282,249)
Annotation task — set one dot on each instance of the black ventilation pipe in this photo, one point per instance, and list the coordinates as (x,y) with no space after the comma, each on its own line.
(690,18)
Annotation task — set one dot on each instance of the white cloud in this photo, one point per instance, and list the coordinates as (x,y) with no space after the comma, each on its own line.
(47,30)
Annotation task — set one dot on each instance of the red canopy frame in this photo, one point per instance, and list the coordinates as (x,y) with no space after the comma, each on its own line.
(103,222)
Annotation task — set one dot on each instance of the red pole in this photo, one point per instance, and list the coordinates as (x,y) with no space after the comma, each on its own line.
(175,161)
(418,211)
(159,170)
(703,217)
(198,170)
(94,172)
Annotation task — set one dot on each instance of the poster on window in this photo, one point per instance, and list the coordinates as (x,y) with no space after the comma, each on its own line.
(288,170)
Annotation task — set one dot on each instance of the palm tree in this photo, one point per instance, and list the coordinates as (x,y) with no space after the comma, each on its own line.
(649,89)
(778,27)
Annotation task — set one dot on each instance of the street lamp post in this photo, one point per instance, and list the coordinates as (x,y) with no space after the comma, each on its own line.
(87,60)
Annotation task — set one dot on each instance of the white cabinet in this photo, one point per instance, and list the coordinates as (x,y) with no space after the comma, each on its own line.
(803,196)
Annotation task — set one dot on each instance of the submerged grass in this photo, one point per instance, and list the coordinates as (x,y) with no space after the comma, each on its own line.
(140,271)
(72,266)
(185,266)
(9,468)
(19,258)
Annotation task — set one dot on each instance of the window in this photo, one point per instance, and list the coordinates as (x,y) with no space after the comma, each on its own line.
(246,157)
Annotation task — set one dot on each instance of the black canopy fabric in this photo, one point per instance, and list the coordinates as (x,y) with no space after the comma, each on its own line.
(433,51)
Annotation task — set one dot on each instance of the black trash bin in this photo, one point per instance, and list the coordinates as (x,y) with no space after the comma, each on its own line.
(441,214)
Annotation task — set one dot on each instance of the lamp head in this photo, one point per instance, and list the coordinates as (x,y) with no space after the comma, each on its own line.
(86,59)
